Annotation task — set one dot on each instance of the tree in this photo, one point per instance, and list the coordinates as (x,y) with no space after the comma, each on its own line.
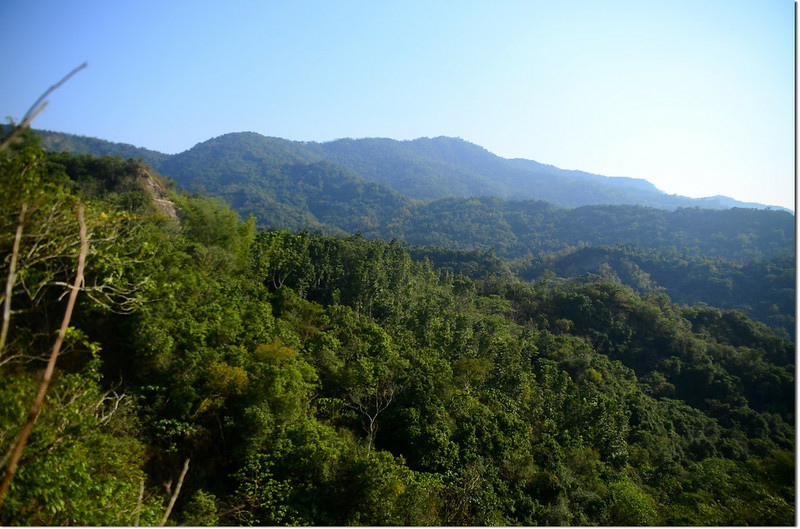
(280,257)
(22,439)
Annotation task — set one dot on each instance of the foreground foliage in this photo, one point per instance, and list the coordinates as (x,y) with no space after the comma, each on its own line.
(337,381)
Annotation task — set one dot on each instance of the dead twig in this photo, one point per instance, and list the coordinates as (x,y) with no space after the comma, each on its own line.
(37,107)
(175,494)
(12,277)
(19,446)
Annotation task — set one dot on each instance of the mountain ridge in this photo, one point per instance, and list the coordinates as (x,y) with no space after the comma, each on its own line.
(288,184)
(432,168)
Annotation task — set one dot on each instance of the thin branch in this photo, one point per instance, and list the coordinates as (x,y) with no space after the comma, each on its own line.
(12,277)
(33,110)
(51,364)
(37,107)
(63,438)
(382,399)
(104,415)
(175,494)
(139,504)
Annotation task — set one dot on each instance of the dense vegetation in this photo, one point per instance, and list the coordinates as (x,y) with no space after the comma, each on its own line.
(314,379)
(431,168)
(764,289)
(425,169)
(730,258)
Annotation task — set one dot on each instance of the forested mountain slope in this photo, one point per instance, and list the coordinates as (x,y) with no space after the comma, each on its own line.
(736,258)
(296,378)
(74,144)
(284,184)
(517,228)
(425,168)
(763,289)
(741,258)
(430,168)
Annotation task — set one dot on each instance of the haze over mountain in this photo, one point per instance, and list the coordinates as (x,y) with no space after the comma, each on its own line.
(425,168)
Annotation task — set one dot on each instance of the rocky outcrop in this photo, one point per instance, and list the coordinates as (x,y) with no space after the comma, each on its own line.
(158,193)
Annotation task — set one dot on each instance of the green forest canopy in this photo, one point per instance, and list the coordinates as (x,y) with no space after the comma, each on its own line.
(313,379)
(731,258)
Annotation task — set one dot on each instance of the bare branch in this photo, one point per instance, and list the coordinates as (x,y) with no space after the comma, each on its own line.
(37,107)
(139,504)
(175,494)
(12,277)
(33,110)
(105,413)
(51,364)
(370,405)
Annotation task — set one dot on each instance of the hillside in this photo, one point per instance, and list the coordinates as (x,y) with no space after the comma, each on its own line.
(425,168)
(518,228)
(269,377)
(763,289)
(287,184)
(301,185)
(74,144)
(284,184)
(430,168)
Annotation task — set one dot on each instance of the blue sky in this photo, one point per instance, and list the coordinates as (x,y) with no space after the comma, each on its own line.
(695,96)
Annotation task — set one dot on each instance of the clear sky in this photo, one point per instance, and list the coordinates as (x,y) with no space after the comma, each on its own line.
(695,96)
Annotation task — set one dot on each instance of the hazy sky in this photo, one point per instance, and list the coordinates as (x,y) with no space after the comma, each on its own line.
(695,96)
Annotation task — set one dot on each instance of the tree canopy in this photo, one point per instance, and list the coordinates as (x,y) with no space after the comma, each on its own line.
(343,380)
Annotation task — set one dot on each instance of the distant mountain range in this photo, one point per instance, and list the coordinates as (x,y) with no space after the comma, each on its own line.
(463,207)
(423,169)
